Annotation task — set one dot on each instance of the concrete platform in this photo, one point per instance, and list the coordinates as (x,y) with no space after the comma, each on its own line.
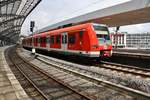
(10,88)
(132,53)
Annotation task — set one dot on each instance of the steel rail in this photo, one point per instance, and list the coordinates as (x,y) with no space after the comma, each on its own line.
(85,95)
(131,69)
(120,88)
(43,95)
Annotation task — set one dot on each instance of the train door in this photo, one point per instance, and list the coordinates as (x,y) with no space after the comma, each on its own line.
(64,41)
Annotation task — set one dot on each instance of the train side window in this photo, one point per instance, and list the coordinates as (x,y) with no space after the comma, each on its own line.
(52,39)
(31,41)
(58,39)
(44,40)
(71,39)
(39,40)
(81,33)
(47,40)
(35,40)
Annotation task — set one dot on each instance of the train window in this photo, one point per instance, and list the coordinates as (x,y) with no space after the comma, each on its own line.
(44,40)
(30,40)
(47,40)
(71,39)
(39,40)
(52,39)
(58,39)
(106,37)
(36,39)
(100,28)
(81,33)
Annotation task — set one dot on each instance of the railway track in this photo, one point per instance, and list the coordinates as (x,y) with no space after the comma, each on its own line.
(41,85)
(26,84)
(88,75)
(126,69)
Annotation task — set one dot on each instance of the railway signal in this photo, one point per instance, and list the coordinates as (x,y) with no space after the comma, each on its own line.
(32,25)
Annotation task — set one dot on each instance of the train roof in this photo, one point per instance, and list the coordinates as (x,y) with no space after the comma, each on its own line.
(66,29)
(63,30)
(56,27)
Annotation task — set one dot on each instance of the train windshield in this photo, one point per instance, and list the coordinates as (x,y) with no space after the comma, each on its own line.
(102,34)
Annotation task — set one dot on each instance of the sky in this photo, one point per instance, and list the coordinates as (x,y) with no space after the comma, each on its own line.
(52,11)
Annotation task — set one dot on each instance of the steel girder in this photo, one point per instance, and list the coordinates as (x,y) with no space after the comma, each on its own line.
(5,31)
(10,20)
(11,31)
(6,2)
(12,15)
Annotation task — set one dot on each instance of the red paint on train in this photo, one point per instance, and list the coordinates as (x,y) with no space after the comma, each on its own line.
(91,40)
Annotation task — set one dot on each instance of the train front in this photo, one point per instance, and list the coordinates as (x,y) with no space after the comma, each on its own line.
(104,41)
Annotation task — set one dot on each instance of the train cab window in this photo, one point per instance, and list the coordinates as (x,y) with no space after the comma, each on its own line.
(52,39)
(106,37)
(71,39)
(58,39)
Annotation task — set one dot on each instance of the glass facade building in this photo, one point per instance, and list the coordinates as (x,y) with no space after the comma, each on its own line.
(133,41)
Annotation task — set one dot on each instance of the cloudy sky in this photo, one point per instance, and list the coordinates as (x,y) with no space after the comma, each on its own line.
(51,11)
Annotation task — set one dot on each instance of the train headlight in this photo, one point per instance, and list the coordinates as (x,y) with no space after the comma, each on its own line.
(105,47)
(111,52)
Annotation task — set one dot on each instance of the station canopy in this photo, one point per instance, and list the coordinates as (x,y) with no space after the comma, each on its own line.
(12,15)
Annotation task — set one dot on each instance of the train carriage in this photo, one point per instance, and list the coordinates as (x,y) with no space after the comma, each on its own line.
(89,40)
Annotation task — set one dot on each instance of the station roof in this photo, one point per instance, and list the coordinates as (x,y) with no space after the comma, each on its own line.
(12,15)
(125,13)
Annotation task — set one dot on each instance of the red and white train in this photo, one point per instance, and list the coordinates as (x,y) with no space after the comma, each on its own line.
(89,40)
